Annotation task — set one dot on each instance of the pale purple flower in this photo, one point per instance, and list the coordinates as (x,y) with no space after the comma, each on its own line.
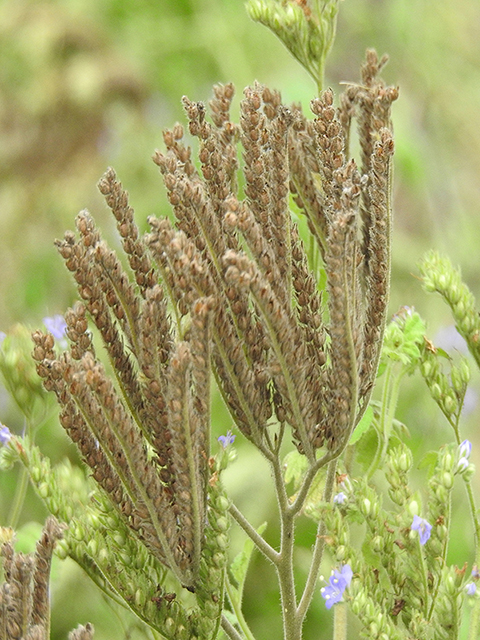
(475,572)
(463,452)
(465,449)
(5,434)
(3,335)
(471,589)
(56,325)
(226,440)
(337,583)
(423,527)
(339,498)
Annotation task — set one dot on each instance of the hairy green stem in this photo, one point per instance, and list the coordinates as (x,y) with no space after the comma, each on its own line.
(237,608)
(340,626)
(261,544)
(230,630)
(312,578)
(19,498)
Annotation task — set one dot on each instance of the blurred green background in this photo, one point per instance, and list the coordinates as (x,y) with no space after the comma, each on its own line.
(87,84)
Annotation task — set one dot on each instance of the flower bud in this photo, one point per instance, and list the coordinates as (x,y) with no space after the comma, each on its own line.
(469,472)
(465,372)
(340,552)
(92,547)
(447,480)
(413,508)
(458,383)
(365,507)
(450,405)
(222,503)
(441,494)
(378,543)
(218,559)
(448,462)
(436,391)
(405,461)
(221,524)
(426,368)
(139,598)
(222,541)
(62,549)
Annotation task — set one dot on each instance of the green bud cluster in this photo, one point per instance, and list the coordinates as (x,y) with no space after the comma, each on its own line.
(398,464)
(438,274)
(210,587)
(448,393)
(306,29)
(18,371)
(376,623)
(449,602)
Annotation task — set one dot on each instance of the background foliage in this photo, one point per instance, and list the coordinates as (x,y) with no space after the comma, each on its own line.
(87,84)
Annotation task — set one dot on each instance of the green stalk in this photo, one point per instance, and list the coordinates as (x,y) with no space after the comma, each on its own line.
(340,621)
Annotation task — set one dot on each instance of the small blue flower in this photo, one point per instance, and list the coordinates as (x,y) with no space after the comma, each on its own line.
(423,527)
(475,572)
(465,449)
(227,440)
(5,434)
(339,498)
(3,335)
(471,589)
(56,325)
(338,582)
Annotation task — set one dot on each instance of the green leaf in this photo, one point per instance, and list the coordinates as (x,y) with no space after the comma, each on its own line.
(429,461)
(370,556)
(367,446)
(295,466)
(363,426)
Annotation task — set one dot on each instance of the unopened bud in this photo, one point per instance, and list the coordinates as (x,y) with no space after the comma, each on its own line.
(450,405)
(366,506)
(413,508)
(447,480)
